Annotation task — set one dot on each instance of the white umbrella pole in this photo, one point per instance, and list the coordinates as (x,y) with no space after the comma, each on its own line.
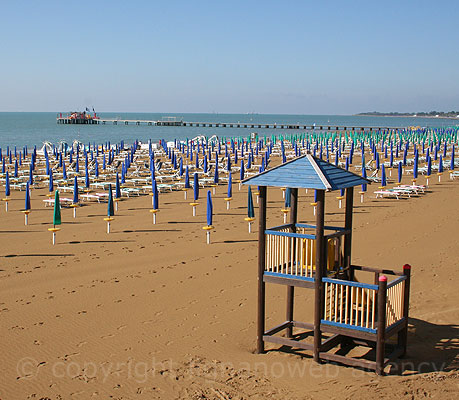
(26,219)
(250,227)
(154,218)
(54,238)
(208,237)
(74,212)
(108,226)
(194,211)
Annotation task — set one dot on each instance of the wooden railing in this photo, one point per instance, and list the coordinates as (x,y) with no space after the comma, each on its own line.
(394,300)
(354,304)
(292,250)
(350,303)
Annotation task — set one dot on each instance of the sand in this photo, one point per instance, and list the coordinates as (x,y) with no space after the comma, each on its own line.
(152,311)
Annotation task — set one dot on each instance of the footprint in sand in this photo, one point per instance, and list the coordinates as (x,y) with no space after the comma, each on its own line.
(110,335)
(121,327)
(81,344)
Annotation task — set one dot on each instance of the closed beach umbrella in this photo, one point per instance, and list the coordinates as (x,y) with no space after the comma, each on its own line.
(86,178)
(440,165)
(209,216)
(96,168)
(209,208)
(155,196)
(27,207)
(187,178)
(400,171)
(64,170)
(250,208)
(110,209)
(16,169)
(75,190)
(230,186)
(288,202)
(383,177)
(181,167)
(451,167)
(57,209)
(27,198)
(415,167)
(205,166)
(7,185)
(31,174)
(216,173)
(196,187)
(117,187)
(56,216)
(51,182)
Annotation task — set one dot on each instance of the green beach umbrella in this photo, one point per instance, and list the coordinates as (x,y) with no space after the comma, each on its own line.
(56,216)
(57,210)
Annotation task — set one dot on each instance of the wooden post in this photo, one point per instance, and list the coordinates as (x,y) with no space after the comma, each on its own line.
(261,269)
(318,295)
(403,334)
(348,236)
(290,289)
(381,324)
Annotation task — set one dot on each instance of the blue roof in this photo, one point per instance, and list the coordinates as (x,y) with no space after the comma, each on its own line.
(307,172)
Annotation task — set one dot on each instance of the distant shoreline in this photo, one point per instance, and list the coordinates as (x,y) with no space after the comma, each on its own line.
(404,116)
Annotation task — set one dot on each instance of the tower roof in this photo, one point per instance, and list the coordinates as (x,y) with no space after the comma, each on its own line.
(307,172)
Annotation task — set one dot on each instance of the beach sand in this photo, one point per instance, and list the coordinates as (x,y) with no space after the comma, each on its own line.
(152,311)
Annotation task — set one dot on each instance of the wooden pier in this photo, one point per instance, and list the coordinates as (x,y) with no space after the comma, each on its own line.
(245,125)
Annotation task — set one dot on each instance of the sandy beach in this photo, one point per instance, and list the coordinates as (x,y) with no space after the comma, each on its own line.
(152,311)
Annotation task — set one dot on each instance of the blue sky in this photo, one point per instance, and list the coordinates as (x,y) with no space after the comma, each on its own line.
(286,57)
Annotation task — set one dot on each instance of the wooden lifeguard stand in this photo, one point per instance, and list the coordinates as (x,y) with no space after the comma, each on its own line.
(347,313)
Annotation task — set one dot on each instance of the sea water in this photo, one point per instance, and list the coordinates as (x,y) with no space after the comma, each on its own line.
(28,128)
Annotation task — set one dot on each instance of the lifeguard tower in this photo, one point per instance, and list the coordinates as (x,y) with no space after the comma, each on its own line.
(347,311)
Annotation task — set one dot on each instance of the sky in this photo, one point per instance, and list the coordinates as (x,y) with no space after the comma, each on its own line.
(270,57)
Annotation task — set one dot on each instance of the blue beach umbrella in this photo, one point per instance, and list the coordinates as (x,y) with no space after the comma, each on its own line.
(27,197)
(31,174)
(250,208)
(155,196)
(51,183)
(230,186)
(429,166)
(181,167)
(96,168)
(196,187)
(86,178)
(7,185)
(187,178)
(64,170)
(205,166)
(216,173)
(288,201)
(242,172)
(16,174)
(440,164)
(383,176)
(110,208)
(209,208)
(451,167)
(415,167)
(75,191)
(364,175)
(118,187)
(400,171)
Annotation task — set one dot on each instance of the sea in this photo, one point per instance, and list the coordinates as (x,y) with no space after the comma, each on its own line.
(34,128)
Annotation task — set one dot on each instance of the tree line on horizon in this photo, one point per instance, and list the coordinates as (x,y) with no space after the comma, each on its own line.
(453,114)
